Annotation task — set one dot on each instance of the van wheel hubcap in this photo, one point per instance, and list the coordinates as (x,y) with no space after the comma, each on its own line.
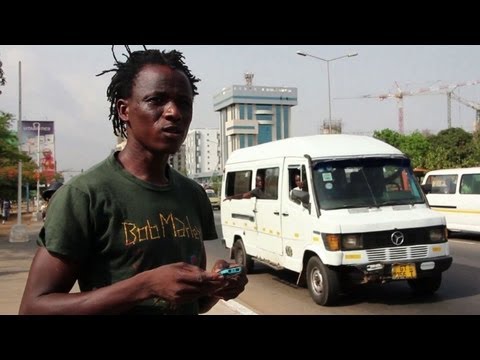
(317,281)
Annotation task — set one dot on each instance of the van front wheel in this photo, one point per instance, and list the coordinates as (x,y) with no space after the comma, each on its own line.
(323,283)
(240,256)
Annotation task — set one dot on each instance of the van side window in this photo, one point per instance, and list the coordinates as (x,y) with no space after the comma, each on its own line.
(470,184)
(303,177)
(238,182)
(443,184)
(271,182)
(297,179)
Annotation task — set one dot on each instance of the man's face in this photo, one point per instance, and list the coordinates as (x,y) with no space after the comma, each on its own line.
(298,182)
(159,111)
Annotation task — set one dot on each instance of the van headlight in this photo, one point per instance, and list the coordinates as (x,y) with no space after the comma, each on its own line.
(436,235)
(352,241)
(332,242)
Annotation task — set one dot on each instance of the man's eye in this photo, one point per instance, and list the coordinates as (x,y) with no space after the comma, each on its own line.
(156,100)
(185,103)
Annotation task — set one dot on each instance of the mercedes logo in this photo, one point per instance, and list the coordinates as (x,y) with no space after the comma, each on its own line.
(397,238)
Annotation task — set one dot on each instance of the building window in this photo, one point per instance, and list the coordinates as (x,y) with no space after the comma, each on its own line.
(242,111)
(249,112)
(285,122)
(278,122)
(264,134)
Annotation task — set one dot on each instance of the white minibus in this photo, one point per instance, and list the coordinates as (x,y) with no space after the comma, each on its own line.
(456,194)
(360,215)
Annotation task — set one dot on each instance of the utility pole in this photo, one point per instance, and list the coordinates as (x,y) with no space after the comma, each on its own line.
(18,232)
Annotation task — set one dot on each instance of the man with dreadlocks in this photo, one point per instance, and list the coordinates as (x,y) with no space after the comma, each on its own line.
(131,228)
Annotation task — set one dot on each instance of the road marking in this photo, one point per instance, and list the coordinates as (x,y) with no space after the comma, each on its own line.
(237,307)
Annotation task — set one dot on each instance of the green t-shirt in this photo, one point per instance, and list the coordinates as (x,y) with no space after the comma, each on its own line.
(117,226)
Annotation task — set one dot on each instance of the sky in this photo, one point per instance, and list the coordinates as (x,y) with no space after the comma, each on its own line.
(59,84)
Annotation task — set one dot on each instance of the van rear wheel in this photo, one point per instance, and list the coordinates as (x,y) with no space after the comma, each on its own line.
(241,257)
(323,283)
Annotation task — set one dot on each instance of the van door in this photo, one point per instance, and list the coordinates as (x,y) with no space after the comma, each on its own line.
(267,210)
(296,222)
(469,202)
(444,196)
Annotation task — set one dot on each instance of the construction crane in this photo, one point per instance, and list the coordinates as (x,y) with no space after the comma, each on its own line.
(449,92)
(399,94)
(473,105)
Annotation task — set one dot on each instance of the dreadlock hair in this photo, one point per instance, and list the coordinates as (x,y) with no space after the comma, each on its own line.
(125,73)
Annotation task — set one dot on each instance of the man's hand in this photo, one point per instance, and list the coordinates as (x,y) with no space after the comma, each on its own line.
(234,285)
(181,282)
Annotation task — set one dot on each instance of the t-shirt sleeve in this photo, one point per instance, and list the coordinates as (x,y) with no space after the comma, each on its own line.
(208,221)
(257,193)
(67,228)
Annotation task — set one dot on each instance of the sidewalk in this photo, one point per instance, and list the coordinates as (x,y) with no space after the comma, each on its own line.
(15,260)
(231,307)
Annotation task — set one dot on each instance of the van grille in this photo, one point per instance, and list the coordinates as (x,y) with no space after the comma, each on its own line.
(398,253)
(383,239)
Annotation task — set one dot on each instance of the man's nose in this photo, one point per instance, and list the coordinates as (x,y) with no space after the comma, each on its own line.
(171,109)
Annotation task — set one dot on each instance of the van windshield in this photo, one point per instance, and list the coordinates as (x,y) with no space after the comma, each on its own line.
(365,182)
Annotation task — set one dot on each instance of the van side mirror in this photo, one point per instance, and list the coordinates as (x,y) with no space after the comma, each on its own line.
(427,188)
(301,196)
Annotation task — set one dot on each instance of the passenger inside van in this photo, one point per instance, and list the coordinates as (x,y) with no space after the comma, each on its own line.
(298,183)
(258,191)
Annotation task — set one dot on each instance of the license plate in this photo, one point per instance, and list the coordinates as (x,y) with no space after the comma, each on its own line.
(404,271)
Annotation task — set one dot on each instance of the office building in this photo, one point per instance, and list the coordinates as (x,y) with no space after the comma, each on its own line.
(202,151)
(252,115)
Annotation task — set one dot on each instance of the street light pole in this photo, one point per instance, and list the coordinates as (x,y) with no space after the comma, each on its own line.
(37,125)
(18,232)
(302,53)
(329,100)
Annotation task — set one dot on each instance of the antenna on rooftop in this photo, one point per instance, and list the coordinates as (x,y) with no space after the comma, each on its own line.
(249,79)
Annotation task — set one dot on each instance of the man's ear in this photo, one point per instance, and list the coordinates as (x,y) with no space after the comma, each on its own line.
(122,109)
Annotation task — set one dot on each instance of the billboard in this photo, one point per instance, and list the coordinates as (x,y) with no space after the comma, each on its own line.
(39,137)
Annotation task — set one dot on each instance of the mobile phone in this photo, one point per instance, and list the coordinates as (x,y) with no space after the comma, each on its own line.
(232,271)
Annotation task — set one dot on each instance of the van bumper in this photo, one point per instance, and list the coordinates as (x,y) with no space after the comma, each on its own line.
(382,271)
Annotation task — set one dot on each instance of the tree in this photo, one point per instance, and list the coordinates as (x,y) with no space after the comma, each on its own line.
(454,148)
(416,146)
(216,182)
(476,147)
(389,136)
(450,148)
(9,157)
(2,76)
(9,152)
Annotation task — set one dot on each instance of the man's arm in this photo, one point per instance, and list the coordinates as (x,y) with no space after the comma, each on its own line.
(52,277)
(246,195)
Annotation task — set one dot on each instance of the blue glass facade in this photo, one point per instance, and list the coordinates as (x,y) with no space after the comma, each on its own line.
(278,123)
(252,115)
(286,118)
(264,133)
(242,111)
